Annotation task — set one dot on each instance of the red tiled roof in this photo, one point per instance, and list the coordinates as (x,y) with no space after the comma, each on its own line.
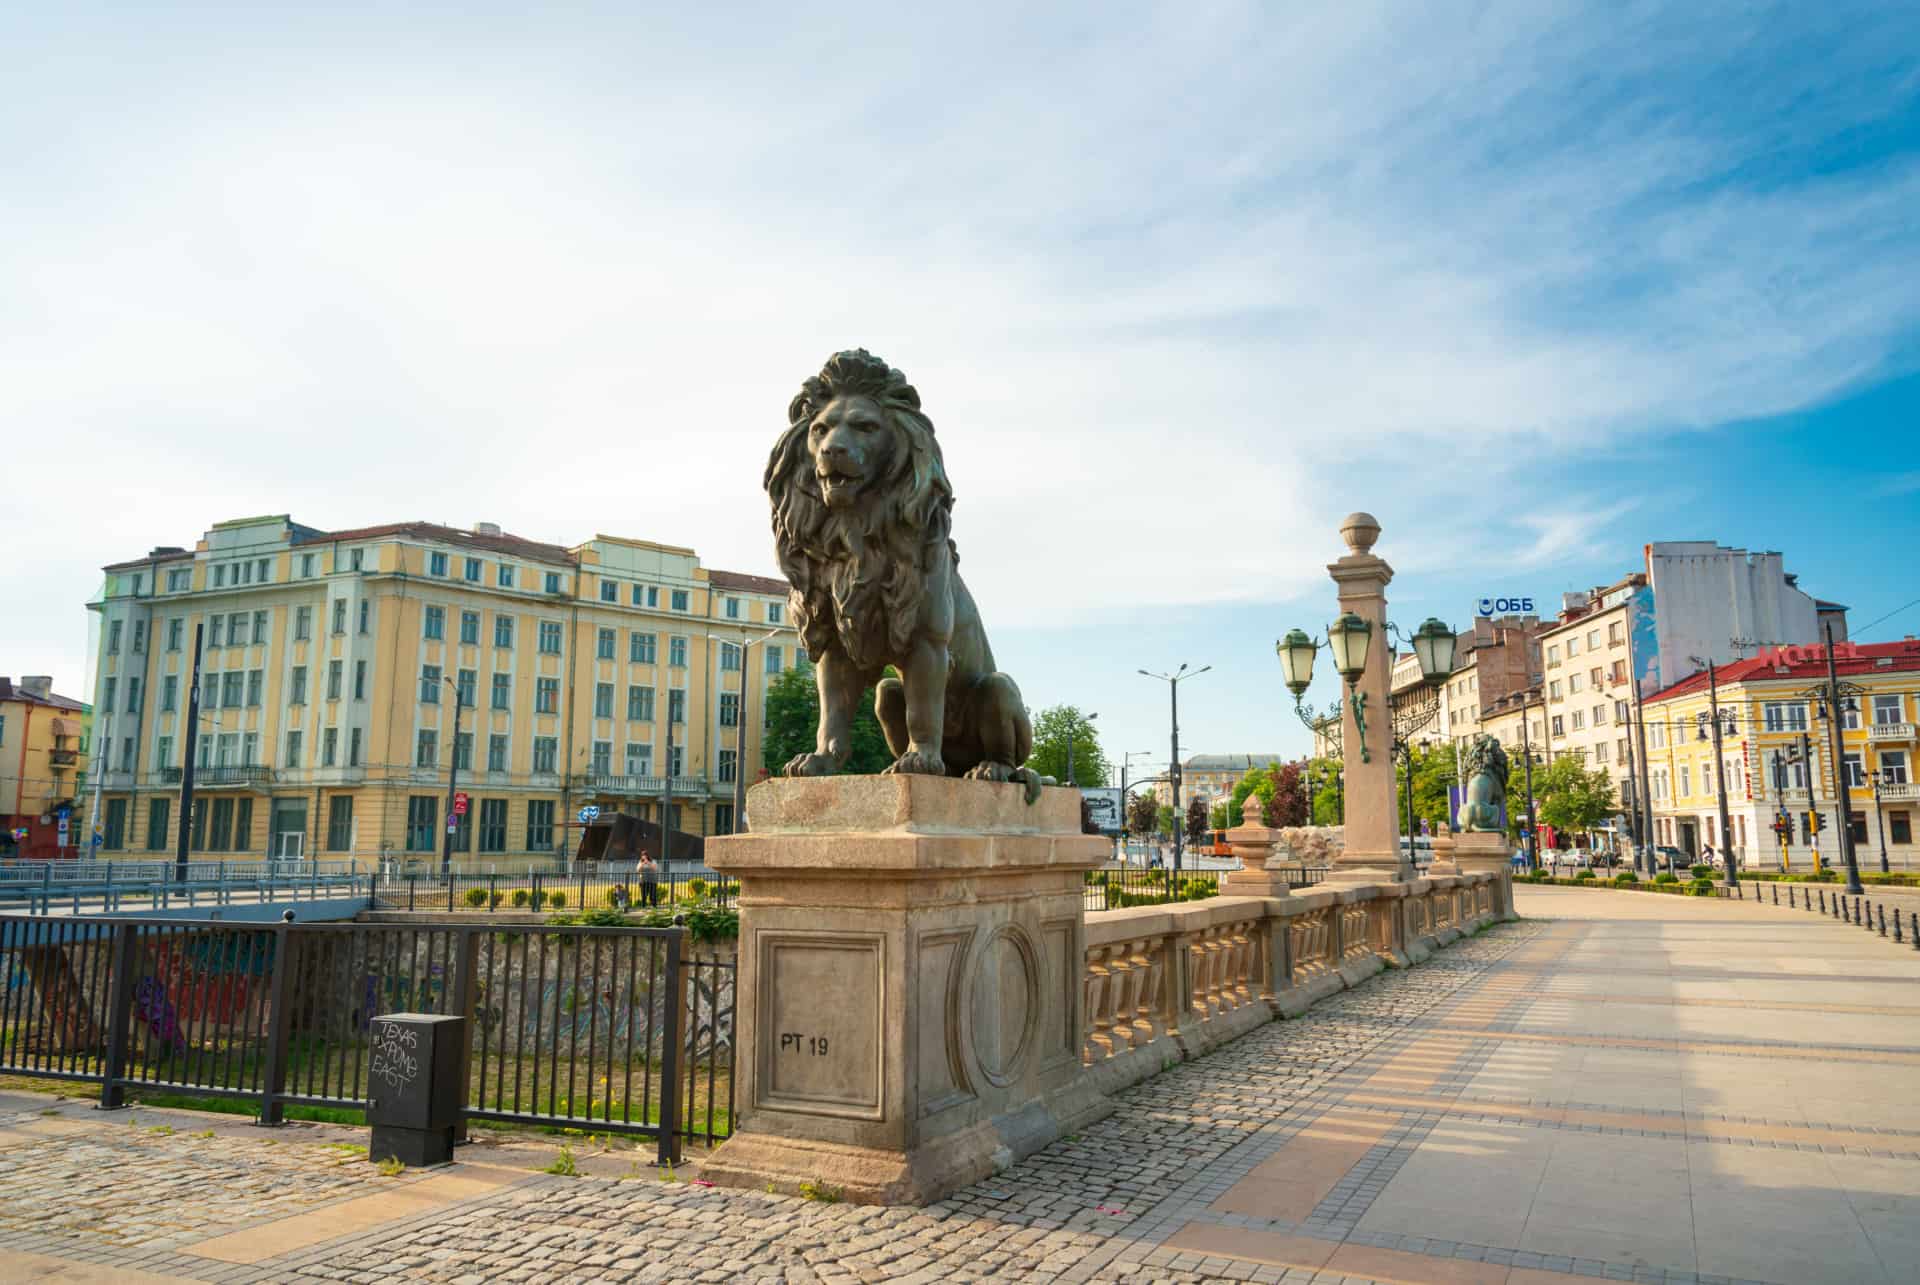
(513,545)
(52,700)
(1806,663)
(744,583)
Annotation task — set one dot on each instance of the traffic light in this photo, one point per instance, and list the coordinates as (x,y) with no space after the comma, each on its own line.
(1816,822)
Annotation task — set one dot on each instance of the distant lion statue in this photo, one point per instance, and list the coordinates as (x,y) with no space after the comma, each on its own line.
(861,518)
(1486,786)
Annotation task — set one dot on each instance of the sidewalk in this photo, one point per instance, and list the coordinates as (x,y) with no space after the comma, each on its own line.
(1624,1086)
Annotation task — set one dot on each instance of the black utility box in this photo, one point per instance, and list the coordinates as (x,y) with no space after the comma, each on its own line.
(413,1087)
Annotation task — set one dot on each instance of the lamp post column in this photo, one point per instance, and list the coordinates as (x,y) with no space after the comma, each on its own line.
(1840,782)
(1720,779)
(1372,852)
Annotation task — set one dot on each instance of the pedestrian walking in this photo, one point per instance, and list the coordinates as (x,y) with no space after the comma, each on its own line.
(649,881)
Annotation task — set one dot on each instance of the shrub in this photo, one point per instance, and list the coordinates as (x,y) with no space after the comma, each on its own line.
(1700,888)
(520,897)
(1702,871)
(697,886)
(556,899)
(1666,876)
(1584,875)
(1626,877)
(1828,875)
(475,897)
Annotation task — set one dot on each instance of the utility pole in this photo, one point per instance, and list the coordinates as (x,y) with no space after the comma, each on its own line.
(1173,768)
(1720,777)
(666,790)
(1073,734)
(1526,750)
(453,773)
(189,750)
(1842,802)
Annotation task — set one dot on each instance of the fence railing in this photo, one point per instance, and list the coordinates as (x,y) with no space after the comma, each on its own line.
(61,872)
(612,1030)
(549,891)
(117,891)
(1117,889)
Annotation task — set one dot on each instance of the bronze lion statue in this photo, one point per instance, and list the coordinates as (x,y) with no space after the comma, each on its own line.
(1486,786)
(861,518)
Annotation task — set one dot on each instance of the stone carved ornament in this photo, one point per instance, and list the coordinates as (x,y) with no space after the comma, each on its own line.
(1485,809)
(861,518)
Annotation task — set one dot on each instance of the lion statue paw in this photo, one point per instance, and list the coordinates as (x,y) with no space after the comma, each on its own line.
(989,770)
(810,765)
(917,763)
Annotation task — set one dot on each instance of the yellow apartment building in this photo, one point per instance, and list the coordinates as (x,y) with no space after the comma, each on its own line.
(43,770)
(1776,756)
(332,662)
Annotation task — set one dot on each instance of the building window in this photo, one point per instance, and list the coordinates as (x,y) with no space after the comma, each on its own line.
(353,747)
(139,637)
(423,810)
(159,819)
(430,684)
(435,624)
(546,696)
(1599,715)
(329,746)
(639,704)
(677,652)
(357,559)
(603,700)
(292,759)
(602,761)
(163,752)
(113,638)
(1559,725)
(677,762)
(775,613)
(1686,781)
(259,628)
(179,579)
(306,565)
(216,630)
(232,689)
(729,709)
(219,575)
(604,644)
(550,635)
(1573,645)
(639,759)
(729,657)
(1784,716)
(1857,825)
(553,582)
(1893,767)
(1553,657)
(640,649)
(1853,767)
(1575,683)
(335,674)
(426,750)
(676,706)
(470,571)
(506,575)
(493,825)
(733,609)
(679,600)
(723,818)
(436,564)
(1900,826)
(463,751)
(503,691)
(503,631)
(774,659)
(237,629)
(254,678)
(302,623)
(467,687)
(545,750)
(1579,720)
(133,693)
(470,628)
(539,825)
(339,615)
(1600,752)
(176,629)
(297,685)
(109,688)
(496,753)
(727,759)
(1888,710)
(359,680)
(609,591)
(340,823)
(365,610)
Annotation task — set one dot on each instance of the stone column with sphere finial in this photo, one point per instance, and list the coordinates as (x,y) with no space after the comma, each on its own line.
(1372,836)
(1256,844)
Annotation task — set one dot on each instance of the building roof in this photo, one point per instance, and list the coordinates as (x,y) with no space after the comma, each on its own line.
(1807,664)
(1230,762)
(744,583)
(52,700)
(512,545)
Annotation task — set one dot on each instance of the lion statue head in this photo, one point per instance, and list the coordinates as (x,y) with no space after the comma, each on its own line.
(1486,757)
(859,493)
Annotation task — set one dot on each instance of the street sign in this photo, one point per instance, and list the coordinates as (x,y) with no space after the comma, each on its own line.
(453,827)
(460,803)
(64,813)
(589,814)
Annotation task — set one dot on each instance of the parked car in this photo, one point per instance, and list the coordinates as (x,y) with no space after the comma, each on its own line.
(1670,858)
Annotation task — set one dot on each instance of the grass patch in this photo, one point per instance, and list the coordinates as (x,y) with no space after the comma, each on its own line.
(391,1167)
(563,1164)
(819,1191)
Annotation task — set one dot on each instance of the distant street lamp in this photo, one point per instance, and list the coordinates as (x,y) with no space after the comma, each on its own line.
(1173,768)
(1073,734)
(1879,820)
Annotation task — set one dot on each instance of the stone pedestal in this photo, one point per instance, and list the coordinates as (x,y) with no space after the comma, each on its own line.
(1443,852)
(910,995)
(1477,851)
(1372,832)
(1256,844)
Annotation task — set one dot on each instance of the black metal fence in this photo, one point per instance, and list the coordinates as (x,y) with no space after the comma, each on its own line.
(607,1030)
(1116,889)
(550,892)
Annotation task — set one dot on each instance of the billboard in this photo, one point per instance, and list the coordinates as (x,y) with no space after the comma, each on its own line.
(1103,805)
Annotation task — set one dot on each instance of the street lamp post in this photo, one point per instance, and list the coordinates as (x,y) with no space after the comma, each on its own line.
(1073,734)
(740,728)
(1840,782)
(1173,768)
(453,774)
(1720,772)
(1879,821)
(1126,762)
(1526,756)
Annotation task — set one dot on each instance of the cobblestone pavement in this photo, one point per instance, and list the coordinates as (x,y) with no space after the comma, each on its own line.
(1527,1106)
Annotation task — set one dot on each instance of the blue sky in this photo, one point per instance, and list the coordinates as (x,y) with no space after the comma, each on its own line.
(1180,285)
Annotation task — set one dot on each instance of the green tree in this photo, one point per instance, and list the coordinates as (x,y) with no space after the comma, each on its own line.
(1196,818)
(1327,801)
(1164,821)
(1433,772)
(1143,813)
(1570,798)
(1217,817)
(1055,728)
(793,718)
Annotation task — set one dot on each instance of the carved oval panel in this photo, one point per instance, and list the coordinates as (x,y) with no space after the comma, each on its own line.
(1005,1007)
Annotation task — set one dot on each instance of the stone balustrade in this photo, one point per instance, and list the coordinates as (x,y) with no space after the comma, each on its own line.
(1168,983)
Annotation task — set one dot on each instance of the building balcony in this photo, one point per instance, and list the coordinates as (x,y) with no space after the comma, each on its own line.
(1880,732)
(1793,794)
(62,758)
(336,776)
(641,786)
(1903,792)
(220,775)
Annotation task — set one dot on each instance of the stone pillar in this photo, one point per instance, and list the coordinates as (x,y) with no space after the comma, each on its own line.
(1255,843)
(911,986)
(1443,848)
(1372,837)
(1476,851)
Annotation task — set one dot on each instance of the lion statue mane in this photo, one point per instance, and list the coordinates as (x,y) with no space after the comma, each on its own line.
(1486,785)
(862,517)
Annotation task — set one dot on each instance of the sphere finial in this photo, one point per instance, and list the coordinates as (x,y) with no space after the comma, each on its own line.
(1360,530)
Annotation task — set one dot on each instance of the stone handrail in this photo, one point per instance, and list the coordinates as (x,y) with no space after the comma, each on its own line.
(1167,983)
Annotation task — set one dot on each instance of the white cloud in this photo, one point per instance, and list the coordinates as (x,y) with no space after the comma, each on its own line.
(1176,281)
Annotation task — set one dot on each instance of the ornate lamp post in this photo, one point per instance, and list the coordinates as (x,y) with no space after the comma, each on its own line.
(1173,768)
(1879,820)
